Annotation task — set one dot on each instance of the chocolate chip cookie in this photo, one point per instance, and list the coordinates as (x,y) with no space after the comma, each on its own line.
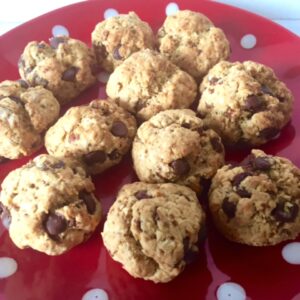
(65,66)
(257,202)
(154,230)
(98,134)
(51,205)
(147,83)
(192,42)
(116,38)
(25,113)
(174,146)
(245,102)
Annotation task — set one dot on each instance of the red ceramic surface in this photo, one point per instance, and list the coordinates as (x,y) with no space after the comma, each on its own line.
(262,272)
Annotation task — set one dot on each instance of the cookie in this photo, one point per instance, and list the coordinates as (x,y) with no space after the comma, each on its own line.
(25,113)
(116,38)
(51,205)
(154,230)
(173,146)
(244,102)
(192,42)
(98,134)
(66,66)
(257,202)
(147,83)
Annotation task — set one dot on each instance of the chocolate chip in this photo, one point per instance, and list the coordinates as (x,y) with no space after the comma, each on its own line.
(116,53)
(119,129)
(142,194)
(186,125)
(269,132)
(229,208)
(55,41)
(114,155)
(40,81)
(180,166)
(216,144)
(100,51)
(266,90)
(213,80)
(254,104)
(70,74)
(243,193)
(58,165)
(95,157)
(200,130)
(55,224)
(281,99)
(23,83)
(238,178)
(189,255)
(261,163)
(285,212)
(89,201)
(201,114)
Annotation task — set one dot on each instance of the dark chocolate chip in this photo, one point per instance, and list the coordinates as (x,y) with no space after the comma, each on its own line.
(281,99)
(229,208)
(55,41)
(116,53)
(238,178)
(261,163)
(100,51)
(254,104)
(119,129)
(186,125)
(243,193)
(266,90)
(216,144)
(70,74)
(23,84)
(213,81)
(142,195)
(40,81)
(269,132)
(58,165)
(114,155)
(55,224)
(89,201)
(285,212)
(201,114)
(189,255)
(180,166)
(95,157)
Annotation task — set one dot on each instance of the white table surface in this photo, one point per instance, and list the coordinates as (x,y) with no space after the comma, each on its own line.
(284,12)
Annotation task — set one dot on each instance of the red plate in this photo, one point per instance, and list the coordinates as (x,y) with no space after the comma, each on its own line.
(262,272)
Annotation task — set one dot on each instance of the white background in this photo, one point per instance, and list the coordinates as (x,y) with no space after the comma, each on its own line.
(284,12)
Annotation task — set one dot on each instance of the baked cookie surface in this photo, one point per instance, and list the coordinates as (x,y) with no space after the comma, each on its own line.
(98,134)
(25,114)
(147,83)
(154,230)
(244,102)
(51,205)
(65,66)
(191,41)
(173,146)
(116,38)
(257,202)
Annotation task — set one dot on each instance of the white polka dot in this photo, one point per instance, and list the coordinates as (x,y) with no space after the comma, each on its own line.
(60,30)
(8,267)
(95,294)
(248,41)
(103,77)
(291,253)
(231,291)
(172,8)
(110,12)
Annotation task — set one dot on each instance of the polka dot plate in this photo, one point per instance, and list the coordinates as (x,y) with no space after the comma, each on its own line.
(224,270)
